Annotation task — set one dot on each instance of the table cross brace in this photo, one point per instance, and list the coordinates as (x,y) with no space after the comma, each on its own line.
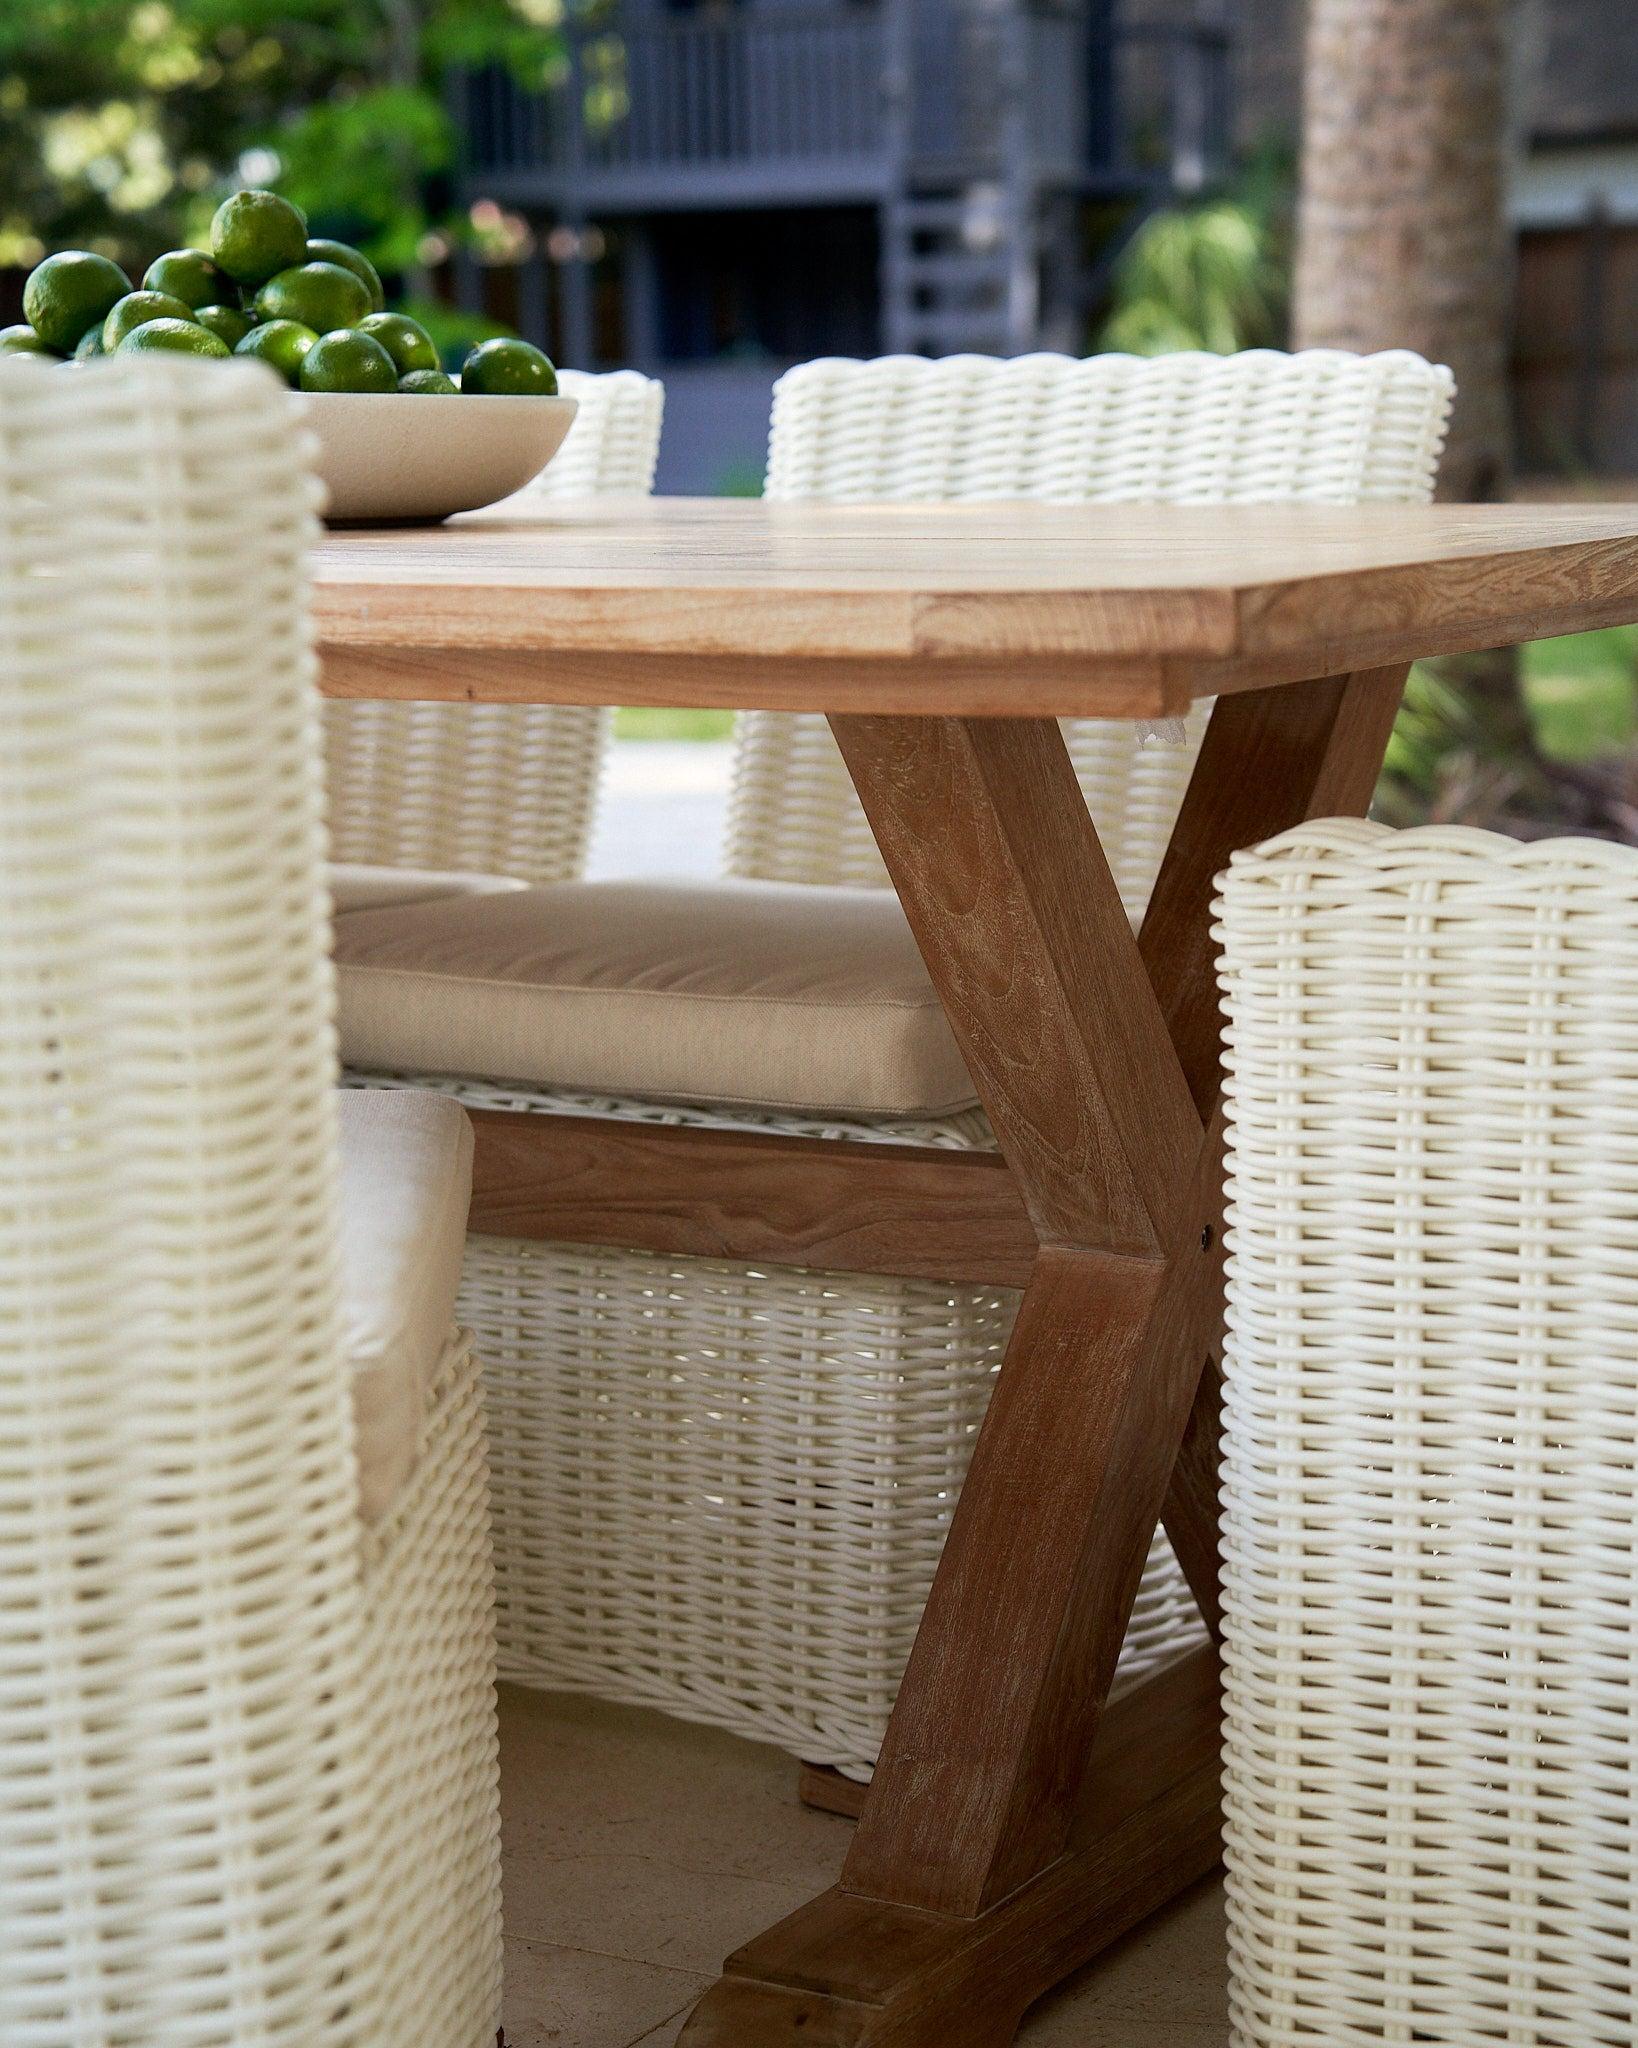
(989,1859)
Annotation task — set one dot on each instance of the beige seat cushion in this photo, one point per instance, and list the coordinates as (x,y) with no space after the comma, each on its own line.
(406,1187)
(751,993)
(354,886)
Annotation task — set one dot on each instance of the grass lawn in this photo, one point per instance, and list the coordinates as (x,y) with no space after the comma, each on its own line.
(1583,692)
(652,722)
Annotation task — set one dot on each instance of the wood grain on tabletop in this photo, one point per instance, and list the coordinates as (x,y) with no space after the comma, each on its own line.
(978,608)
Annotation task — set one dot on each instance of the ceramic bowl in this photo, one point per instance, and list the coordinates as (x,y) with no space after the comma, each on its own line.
(402,455)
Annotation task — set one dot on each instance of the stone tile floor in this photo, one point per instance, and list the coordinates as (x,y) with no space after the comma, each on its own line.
(639,1851)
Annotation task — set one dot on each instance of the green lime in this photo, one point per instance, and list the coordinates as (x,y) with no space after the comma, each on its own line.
(349,258)
(90,346)
(256,234)
(70,292)
(435,381)
(189,275)
(320,295)
(227,321)
(347,361)
(183,337)
(510,368)
(136,309)
(405,340)
(22,340)
(280,344)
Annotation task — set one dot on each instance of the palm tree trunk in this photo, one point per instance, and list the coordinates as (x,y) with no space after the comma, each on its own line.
(1409,128)
(1402,237)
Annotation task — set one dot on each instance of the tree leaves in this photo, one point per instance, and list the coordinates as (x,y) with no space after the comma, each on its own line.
(121,126)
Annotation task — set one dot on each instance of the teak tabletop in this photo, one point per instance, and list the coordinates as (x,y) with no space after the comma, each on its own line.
(1108,611)
(1013,1828)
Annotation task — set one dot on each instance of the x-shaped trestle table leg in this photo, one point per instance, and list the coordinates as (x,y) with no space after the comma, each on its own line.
(1000,1846)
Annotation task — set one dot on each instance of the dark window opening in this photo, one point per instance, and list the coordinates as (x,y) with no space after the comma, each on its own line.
(785,285)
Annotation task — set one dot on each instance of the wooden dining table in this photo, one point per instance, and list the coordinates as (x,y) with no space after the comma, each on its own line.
(1013,1827)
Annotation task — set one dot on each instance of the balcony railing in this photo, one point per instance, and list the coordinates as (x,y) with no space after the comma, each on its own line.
(835,98)
(690,96)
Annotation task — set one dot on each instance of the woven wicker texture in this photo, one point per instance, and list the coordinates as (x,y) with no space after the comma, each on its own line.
(615,439)
(191,1774)
(501,789)
(718,1469)
(723,1492)
(429,1644)
(967,1130)
(1431,1439)
(1319,428)
(745,1481)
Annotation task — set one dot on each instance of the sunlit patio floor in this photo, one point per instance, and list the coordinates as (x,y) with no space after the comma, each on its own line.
(640,1851)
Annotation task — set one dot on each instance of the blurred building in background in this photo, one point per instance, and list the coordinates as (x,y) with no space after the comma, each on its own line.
(1576,203)
(714,189)
(717,191)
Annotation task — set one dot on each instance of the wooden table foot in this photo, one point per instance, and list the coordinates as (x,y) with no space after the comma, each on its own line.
(827,1791)
(852,1972)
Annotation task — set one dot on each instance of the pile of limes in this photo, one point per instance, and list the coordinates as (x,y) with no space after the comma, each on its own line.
(313,310)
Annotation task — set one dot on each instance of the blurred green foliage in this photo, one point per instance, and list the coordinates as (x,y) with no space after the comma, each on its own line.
(121,125)
(1449,761)
(1214,275)
(739,480)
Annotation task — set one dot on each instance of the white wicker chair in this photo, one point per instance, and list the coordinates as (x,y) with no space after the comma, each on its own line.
(494,789)
(247,1743)
(1431,1439)
(724,1492)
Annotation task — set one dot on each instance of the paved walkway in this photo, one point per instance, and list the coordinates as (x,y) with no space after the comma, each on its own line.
(638,1852)
(661,810)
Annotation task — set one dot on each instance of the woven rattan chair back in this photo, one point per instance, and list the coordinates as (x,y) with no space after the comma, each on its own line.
(180,1599)
(498,789)
(1431,1438)
(1320,427)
